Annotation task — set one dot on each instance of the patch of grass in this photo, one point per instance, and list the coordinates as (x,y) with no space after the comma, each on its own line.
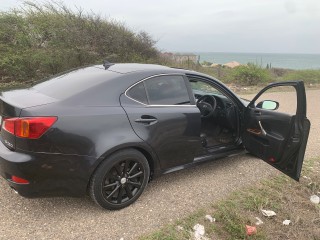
(12,85)
(172,231)
(252,75)
(170,234)
(289,199)
(308,76)
(231,221)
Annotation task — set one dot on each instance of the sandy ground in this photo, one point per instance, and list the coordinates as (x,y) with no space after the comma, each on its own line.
(165,199)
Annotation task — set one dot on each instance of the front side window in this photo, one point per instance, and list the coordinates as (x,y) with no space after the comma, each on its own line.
(167,90)
(276,99)
(203,87)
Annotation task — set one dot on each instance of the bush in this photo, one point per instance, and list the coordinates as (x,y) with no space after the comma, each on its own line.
(250,74)
(308,76)
(205,63)
(43,39)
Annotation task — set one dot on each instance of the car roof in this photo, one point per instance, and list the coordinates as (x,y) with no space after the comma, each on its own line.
(100,85)
(125,68)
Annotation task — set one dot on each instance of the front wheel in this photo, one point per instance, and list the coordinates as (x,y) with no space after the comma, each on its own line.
(120,179)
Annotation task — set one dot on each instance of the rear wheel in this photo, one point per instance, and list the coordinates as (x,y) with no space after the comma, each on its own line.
(120,179)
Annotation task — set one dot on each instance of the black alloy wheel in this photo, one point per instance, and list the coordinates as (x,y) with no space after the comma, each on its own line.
(120,179)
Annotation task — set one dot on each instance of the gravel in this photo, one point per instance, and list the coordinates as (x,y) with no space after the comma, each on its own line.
(165,199)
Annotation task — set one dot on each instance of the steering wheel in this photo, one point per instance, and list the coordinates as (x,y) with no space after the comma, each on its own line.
(207,104)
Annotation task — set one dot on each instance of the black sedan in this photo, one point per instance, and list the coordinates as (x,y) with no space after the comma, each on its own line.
(107,130)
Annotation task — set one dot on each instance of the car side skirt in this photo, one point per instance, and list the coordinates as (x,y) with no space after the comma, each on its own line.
(203,159)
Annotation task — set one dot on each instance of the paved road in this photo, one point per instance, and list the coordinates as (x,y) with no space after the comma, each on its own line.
(166,199)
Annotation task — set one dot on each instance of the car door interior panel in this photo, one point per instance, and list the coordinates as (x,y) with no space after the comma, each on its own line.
(277,138)
(267,132)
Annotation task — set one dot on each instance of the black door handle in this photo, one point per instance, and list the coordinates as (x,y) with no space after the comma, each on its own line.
(146,119)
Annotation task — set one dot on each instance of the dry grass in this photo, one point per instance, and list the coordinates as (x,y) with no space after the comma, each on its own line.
(289,199)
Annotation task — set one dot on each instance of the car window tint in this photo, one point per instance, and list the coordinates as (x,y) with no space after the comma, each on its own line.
(138,93)
(204,87)
(167,90)
(73,82)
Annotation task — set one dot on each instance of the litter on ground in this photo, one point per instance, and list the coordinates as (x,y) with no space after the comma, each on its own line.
(286,222)
(259,221)
(210,218)
(179,228)
(199,232)
(268,213)
(250,230)
(315,199)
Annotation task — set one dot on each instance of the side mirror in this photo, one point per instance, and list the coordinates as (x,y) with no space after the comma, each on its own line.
(268,105)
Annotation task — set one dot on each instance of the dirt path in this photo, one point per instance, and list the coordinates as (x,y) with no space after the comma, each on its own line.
(166,199)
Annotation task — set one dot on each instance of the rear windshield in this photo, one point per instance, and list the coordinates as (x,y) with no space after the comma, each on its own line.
(73,82)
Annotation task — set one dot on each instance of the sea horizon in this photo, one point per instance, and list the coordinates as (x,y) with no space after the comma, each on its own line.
(254,53)
(297,61)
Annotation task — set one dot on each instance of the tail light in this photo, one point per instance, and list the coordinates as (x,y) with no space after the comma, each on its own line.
(30,127)
(20,180)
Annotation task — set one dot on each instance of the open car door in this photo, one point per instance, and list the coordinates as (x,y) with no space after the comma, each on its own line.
(278,138)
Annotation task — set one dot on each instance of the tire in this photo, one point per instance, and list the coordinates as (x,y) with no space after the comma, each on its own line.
(120,179)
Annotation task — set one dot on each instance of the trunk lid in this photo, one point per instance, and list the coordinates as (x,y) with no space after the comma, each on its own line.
(11,104)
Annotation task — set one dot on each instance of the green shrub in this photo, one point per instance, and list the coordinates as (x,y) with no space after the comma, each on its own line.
(308,76)
(250,74)
(44,39)
(205,63)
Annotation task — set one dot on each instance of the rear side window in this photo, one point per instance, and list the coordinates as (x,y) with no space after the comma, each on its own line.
(138,93)
(167,90)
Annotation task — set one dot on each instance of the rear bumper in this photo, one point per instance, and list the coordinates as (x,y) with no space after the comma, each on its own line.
(48,174)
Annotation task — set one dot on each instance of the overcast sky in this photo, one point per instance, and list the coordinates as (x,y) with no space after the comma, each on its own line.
(268,26)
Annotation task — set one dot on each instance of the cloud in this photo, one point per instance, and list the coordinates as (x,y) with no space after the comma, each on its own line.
(215,25)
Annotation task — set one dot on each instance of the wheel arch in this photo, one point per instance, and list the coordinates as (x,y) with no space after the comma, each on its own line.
(149,157)
(145,150)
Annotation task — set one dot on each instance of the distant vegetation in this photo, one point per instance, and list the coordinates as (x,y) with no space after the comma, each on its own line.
(309,76)
(253,74)
(250,74)
(38,40)
(42,39)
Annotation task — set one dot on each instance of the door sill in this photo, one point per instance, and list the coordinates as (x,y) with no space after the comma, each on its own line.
(214,153)
(221,147)
(232,151)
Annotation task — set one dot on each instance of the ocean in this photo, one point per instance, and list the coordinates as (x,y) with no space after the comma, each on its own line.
(279,60)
